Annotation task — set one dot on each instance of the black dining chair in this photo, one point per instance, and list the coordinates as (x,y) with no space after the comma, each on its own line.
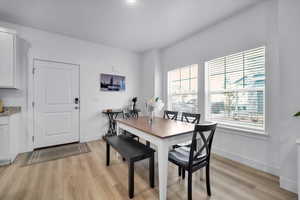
(193,118)
(189,118)
(195,158)
(170,115)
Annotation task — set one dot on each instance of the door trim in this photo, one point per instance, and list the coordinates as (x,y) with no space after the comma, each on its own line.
(31,99)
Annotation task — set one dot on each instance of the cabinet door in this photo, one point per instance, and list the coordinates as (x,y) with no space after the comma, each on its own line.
(15,135)
(4,143)
(7,70)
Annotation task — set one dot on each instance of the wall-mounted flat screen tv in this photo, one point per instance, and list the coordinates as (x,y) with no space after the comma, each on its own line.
(109,82)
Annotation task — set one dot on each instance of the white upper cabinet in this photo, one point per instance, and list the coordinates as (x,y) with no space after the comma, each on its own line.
(8,65)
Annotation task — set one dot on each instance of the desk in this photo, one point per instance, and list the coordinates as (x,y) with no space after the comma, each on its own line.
(163,133)
(112,116)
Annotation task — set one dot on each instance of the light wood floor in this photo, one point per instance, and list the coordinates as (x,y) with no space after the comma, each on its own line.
(85,177)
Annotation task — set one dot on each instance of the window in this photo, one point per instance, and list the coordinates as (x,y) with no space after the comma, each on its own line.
(183,89)
(236,89)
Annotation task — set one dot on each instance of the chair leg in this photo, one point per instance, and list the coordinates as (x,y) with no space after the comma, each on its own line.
(208,180)
(151,171)
(131,179)
(183,173)
(179,171)
(190,185)
(107,154)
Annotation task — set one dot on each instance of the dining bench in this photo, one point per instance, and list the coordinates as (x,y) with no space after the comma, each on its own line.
(132,151)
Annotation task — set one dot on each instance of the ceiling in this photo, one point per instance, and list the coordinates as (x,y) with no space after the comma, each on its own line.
(145,25)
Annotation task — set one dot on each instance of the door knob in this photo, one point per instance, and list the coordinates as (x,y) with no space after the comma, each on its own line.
(76,107)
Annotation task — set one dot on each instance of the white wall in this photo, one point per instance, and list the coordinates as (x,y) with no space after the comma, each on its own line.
(147,75)
(151,76)
(250,29)
(93,60)
(289,43)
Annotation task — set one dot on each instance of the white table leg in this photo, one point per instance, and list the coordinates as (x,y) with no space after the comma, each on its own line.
(117,129)
(118,133)
(163,151)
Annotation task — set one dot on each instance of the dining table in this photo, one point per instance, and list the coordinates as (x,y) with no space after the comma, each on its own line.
(162,133)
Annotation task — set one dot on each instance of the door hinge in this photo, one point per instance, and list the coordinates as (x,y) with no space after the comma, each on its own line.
(33,104)
(32,139)
(33,70)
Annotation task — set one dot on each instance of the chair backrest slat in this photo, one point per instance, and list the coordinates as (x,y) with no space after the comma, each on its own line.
(129,114)
(206,142)
(190,118)
(170,115)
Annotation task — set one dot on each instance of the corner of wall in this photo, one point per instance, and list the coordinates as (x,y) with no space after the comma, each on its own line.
(288,184)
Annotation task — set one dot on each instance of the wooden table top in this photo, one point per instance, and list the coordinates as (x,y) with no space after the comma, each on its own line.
(162,128)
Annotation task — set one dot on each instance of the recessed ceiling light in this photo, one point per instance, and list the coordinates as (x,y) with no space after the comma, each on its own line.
(131,2)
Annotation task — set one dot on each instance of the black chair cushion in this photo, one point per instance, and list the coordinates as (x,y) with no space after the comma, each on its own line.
(180,156)
(129,148)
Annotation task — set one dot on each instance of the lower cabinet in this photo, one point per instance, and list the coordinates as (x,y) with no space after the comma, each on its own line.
(9,130)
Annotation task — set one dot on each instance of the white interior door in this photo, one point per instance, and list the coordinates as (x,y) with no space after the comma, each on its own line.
(56,113)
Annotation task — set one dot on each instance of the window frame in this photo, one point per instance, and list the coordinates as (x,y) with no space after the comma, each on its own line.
(196,93)
(230,124)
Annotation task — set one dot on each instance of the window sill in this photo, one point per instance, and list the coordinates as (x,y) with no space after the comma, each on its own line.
(243,131)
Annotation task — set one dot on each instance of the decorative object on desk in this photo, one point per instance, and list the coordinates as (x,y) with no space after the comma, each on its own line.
(109,82)
(153,104)
(1,106)
(297,114)
(134,100)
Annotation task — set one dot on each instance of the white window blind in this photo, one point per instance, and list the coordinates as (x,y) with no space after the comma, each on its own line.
(183,89)
(236,89)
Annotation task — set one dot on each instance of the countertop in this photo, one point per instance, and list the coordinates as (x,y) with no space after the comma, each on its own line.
(10,111)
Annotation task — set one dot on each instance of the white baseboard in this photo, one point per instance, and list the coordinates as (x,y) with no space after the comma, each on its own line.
(4,162)
(91,138)
(249,162)
(288,184)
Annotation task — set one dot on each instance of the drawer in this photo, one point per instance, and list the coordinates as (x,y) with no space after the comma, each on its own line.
(3,120)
